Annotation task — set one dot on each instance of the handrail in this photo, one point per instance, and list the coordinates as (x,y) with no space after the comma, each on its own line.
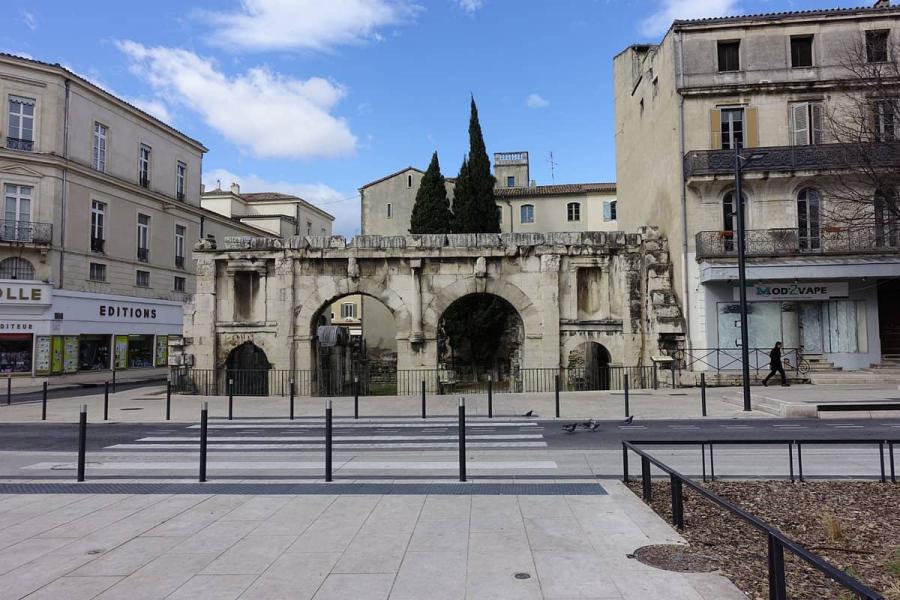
(776,558)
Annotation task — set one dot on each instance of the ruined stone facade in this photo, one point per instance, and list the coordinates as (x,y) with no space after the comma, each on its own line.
(611,288)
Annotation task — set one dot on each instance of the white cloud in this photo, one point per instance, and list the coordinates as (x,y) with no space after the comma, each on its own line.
(261,111)
(263,25)
(536,101)
(669,10)
(345,208)
(470,6)
(153,106)
(29,19)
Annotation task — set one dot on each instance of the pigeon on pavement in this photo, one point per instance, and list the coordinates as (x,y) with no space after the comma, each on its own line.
(628,420)
(595,426)
(570,428)
(529,413)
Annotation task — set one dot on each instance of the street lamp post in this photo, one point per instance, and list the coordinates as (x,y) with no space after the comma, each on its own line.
(742,276)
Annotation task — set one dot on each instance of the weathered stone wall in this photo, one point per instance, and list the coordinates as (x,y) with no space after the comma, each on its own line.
(623,298)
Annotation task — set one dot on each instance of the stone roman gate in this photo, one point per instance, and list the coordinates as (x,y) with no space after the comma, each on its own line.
(569,289)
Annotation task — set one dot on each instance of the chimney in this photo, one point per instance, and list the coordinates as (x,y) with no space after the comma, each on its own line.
(235,189)
(882,4)
(202,188)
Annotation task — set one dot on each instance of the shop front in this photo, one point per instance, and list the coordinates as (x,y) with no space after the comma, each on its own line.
(22,306)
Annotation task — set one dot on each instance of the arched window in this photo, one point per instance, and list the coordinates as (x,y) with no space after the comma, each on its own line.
(16,268)
(526,213)
(808,219)
(573,211)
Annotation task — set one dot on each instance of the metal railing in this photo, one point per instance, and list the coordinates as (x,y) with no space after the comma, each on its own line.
(729,359)
(179,262)
(97,244)
(143,254)
(699,163)
(777,541)
(794,242)
(19,144)
(144,180)
(402,382)
(26,232)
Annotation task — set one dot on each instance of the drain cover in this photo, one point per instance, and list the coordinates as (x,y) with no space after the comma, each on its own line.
(676,557)
(522,575)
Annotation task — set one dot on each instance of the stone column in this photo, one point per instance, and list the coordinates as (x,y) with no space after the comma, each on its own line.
(549,342)
(230,298)
(201,328)
(415,304)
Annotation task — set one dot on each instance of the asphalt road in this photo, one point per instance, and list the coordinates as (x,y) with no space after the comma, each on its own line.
(85,389)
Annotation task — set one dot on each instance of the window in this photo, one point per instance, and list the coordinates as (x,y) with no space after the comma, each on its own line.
(21,124)
(885,126)
(526,213)
(323,232)
(17,226)
(729,56)
(98,225)
(612,210)
(390,211)
(179,284)
(144,166)
(143,238)
(573,211)
(802,51)
(100,132)
(409,181)
(807,123)
(15,267)
(887,224)
(729,214)
(732,128)
(308,228)
(180,177)
(511,181)
(808,224)
(179,245)
(877,46)
(348,310)
(142,279)
(609,210)
(97,272)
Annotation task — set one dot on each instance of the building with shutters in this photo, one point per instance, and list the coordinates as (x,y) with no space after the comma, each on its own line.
(766,84)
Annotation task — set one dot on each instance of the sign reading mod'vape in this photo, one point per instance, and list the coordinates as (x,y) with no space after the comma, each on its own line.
(807,290)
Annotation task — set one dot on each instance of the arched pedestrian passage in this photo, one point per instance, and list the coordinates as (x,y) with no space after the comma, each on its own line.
(588,367)
(248,370)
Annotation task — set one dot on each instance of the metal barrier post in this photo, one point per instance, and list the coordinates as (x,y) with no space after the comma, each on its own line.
(292,399)
(44,403)
(712,463)
(230,398)
(204,414)
(645,479)
(777,583)
(328,440)
(82,441)
(791,459)
(490,396)
(8,390)
(881,460)
(105,400)
(624,463)
(356,397)
(655,376)
(114,381)
(677,502)
(799,460)
(462,439)
(703,393)
(168,400)
(703,459)
(625,382)
(556,388)
(423,398)
(891,455)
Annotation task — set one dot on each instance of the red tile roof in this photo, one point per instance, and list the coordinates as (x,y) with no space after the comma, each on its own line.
(554,190)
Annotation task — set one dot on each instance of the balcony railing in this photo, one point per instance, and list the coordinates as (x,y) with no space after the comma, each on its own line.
(97,244)
(179,196)
(17,144)
(793,242)
(143,254)
(144,180)
(26,232)
(179,262)
(699,163)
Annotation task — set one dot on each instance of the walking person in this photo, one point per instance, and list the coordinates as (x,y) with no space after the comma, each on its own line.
(776,366)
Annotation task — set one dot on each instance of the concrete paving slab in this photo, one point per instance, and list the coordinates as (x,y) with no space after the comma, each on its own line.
(250,556)
(213,587)
(338,586)
(294,576)
(74,588)
(433,575)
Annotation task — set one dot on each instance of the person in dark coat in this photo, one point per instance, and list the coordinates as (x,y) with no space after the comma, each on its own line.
(776,366)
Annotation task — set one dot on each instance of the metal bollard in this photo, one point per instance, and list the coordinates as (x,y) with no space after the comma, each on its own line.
(105,400)
(44,404)
(703,393)
(82,441)
(204,413)
(556,389)
(292,399)
(356,397)
(8,390)
(490,396)
(462,439)
(677,503)
(625,477)
(230,399)
(423,398)
(328,440)
(627,409)
(114,381)
(777,582)
(168,400)
(646,486)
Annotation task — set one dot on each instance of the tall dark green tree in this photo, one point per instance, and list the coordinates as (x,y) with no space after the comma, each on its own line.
(477,213)
(431,211)
(462,195)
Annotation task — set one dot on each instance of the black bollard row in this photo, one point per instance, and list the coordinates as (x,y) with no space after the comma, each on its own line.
(230,399)
(8,390)
(106,401)
(490,396)
(44,403)
(627,408)
(703,393)
(328,440)
(292,399)
(168,400)
(204,413)
(462,439)
(556,392)
(423,398)
(356,397)
(82,441)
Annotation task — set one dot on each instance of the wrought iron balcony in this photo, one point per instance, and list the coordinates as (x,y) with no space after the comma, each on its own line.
(144,180)
(26,232)
(179,262)
(793,242)
(818,157)
(17,144)
(97,244)
(179,196)
(143,254)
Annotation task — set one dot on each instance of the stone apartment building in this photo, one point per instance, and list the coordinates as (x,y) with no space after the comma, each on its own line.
(767,84)
(101,210)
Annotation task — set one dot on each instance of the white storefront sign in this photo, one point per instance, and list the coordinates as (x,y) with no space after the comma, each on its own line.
(805,290)
(17,293)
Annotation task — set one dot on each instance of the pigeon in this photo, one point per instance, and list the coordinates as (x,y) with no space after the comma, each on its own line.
(587,424)
(595,426)
(570,428)
(628,420)
(529,413)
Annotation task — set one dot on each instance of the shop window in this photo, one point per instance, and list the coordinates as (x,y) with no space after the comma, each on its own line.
(15,352)
(140,351)
(94,352)
(16,268)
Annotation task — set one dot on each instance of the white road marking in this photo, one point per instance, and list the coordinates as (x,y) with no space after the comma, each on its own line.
(847,426)
(300,465)
(790,426)
(399,446)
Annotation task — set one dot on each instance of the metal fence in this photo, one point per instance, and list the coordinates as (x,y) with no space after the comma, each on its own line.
(403,382)
(797,242)
(729,359)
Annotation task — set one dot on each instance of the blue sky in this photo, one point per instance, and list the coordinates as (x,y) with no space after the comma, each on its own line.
(318,97)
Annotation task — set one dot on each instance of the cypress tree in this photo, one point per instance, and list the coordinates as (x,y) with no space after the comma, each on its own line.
(462,199)
(484,216)
(431,211)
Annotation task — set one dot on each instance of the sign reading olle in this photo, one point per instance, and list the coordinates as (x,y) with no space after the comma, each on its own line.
(806,290)
(24,294)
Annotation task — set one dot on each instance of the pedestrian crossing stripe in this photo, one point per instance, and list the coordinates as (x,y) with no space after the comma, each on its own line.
(348,425)
(346,465)
(316,446)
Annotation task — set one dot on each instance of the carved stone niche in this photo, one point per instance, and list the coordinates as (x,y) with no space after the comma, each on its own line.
(245,278)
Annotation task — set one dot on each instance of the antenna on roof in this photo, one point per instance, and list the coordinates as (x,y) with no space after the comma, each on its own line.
(552,168)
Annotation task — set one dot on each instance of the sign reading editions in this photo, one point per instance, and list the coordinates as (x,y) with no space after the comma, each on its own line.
(796,291)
